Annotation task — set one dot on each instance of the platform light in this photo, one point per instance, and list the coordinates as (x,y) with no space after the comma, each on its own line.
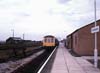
(95,49)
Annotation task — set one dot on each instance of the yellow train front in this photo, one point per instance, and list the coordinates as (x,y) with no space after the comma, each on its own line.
(49,42)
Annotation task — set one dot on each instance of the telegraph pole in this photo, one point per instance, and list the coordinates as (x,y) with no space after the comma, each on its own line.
(12,32)
(23,36)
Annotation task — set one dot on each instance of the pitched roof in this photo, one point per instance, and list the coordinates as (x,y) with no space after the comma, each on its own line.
(15,38)
(48,36)
(83,27)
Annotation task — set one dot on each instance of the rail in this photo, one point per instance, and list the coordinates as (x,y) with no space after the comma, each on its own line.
(39,71)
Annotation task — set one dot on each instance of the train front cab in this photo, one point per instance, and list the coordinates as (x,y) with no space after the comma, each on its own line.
(49,43)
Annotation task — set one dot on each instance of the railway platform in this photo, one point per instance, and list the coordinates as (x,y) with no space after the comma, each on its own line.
(64,62)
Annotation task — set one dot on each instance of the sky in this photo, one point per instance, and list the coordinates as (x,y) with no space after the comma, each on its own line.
(37,18)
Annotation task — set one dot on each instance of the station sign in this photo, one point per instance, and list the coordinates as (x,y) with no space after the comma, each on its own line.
(95,29)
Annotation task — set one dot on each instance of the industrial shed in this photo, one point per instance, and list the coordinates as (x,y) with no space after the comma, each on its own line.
(14,40)
(81,41)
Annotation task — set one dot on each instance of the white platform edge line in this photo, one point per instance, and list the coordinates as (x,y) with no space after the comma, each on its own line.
(46,61)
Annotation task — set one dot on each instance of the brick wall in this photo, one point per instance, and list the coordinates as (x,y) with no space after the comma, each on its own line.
(83,40)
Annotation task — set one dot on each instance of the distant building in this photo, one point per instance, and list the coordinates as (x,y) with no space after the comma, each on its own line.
(14,40)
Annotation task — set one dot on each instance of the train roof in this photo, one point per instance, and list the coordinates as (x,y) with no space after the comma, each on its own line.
(48,36)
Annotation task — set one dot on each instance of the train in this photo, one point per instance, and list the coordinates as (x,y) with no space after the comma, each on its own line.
(50,41)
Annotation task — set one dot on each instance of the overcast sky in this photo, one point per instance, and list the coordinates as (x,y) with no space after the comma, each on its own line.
(36,18)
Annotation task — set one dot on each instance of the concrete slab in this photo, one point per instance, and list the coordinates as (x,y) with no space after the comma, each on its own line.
(64,62)
(76,71)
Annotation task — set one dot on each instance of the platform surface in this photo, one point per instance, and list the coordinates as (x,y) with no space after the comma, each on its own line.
(64,62)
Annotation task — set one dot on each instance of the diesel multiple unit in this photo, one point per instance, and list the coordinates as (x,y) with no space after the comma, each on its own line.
(50,41)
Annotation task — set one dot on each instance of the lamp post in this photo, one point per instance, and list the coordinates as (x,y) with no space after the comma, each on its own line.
(95,49)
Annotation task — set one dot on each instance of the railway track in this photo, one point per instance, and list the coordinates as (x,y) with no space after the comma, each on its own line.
(46,61)
(36,64)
